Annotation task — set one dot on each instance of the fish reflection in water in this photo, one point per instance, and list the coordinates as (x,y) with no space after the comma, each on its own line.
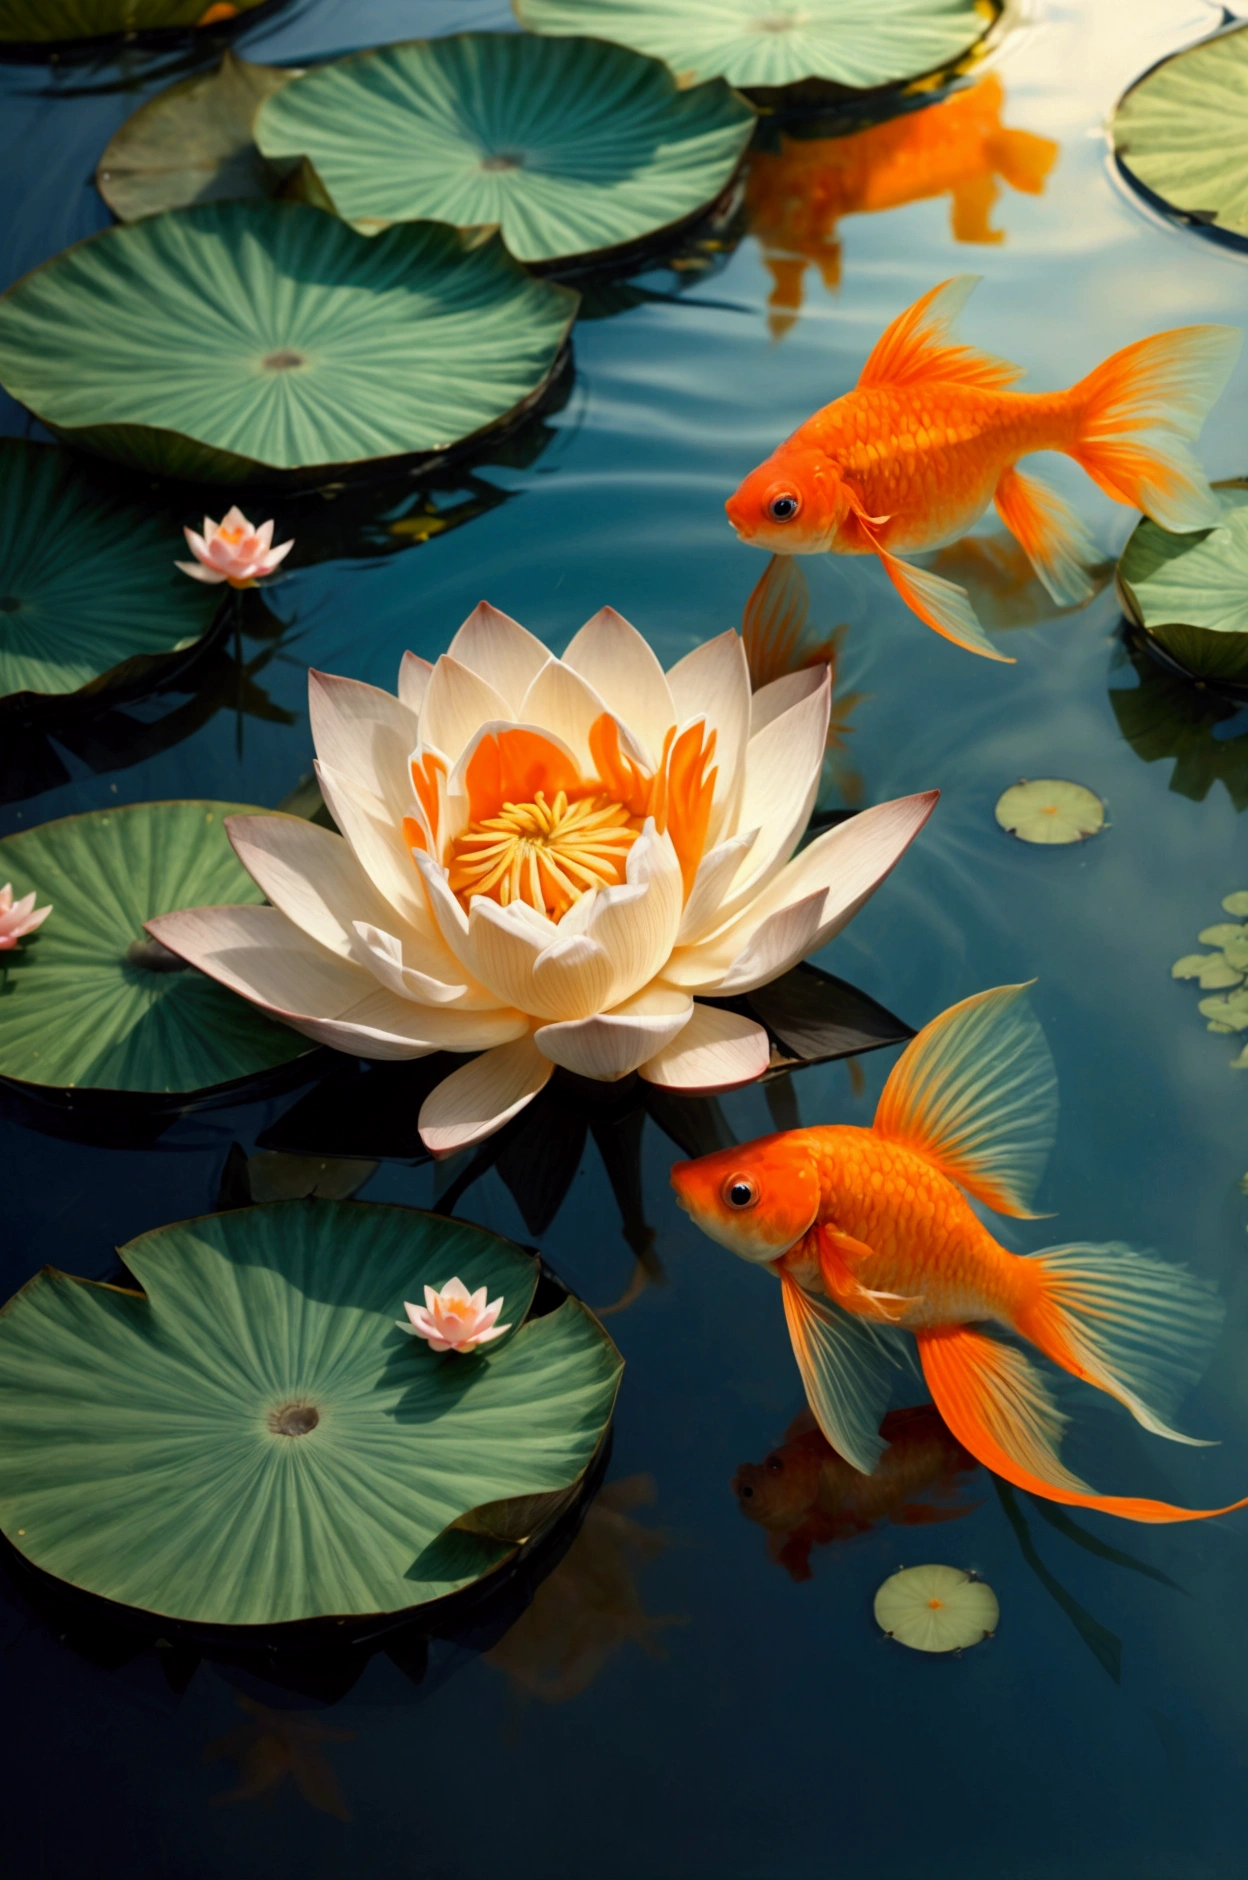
(780,641)
(591,1605)
(277,1744)
(957,148)
(806,1496)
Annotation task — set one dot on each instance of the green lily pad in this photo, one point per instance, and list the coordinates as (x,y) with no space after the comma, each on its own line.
(568,146)
(1050,810)
(1179,131)
(858,44)
(90,1002)
(89,595)
(250,1441)
(193,143)
(1236,903)
(37,22)
(242,341)
(1190,592)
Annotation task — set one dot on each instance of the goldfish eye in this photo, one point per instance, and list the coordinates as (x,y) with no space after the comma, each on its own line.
(784,507)
(740,1191)
(775,1465)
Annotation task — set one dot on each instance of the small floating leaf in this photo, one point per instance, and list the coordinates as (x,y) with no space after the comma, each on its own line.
(1226,1014)
(936,1609)
(1179,130)
(193,143)
(88,589)
(568,146)
(1190,592)
(1213,970)
(1050,810)
(91,1002)
(250,1441)
(245,340)
(1236,903)
(776,42)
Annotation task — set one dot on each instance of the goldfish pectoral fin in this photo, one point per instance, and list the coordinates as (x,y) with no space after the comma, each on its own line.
(1053,536)
(773,622)
(1138,1328)
(976,1094)
(917,347)
(847,1371)
(940,605)
(999,1407)
(1139,414)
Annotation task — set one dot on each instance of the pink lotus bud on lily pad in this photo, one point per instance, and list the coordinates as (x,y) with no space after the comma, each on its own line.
(453,1319)
(18,918)
(233,550)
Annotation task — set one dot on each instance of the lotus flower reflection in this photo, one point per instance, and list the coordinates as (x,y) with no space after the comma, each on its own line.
(547,861)
(233,550)
(453,1319)
(18,918)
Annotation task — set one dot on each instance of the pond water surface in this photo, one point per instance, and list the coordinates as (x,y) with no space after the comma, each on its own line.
(690,1708)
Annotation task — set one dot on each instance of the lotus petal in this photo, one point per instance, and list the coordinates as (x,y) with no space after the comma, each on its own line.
(365,735)
(716,1050)
(610,654)
(611,1044)
(504,654)
(479,1098)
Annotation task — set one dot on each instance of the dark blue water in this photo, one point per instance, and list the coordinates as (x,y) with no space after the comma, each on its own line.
(772,1734)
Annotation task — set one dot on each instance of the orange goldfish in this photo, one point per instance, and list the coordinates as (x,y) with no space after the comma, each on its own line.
(956,147)
(805,1495)
(931,435)
(874,1242)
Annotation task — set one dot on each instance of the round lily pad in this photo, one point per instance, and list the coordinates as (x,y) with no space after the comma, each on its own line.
(1179,131)
(569,146)
(936,1609)
(38,22)
(1190,592)
(89,595)
(193,143)
(1050,810)
(246,341)
(90,1002)
(858,44)
(251,1441)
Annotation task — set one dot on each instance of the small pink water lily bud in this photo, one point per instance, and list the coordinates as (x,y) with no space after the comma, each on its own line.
(232,550)
(453,1319)
(18,917)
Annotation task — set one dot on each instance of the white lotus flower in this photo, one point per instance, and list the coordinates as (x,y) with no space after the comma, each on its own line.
(547,861)
(233,550)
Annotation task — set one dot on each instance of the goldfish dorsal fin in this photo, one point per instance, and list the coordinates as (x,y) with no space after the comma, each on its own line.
(976,1094)
(847,1369)
(917,347)
(998,1406)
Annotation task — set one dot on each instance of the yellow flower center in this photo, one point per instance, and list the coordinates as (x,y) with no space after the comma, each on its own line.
(548,854)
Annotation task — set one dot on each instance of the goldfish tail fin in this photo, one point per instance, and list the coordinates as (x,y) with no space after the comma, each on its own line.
(1141,411)
(999,1407)
(938,603)
(1138,1328)
(1053,536)
(847,1369)
(917,347)
(1022,158)
(976,1094)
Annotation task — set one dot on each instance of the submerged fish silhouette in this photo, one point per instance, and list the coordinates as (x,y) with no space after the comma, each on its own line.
(931,434)
(873,1239)
(805,1495)
(958,147)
